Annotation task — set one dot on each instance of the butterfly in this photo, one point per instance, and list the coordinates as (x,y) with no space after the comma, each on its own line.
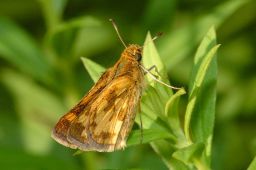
(102,120)
(104,117)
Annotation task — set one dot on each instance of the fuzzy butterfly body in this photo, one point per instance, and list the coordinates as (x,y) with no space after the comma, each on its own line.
(102,120)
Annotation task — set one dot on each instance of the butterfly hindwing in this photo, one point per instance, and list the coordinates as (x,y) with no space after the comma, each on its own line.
(59,133)
(109,112)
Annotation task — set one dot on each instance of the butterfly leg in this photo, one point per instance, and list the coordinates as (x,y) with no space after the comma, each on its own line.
(141,126)
(156,70)
(156,78)
(153,67)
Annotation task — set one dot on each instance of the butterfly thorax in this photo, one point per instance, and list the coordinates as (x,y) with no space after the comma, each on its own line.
(129,63)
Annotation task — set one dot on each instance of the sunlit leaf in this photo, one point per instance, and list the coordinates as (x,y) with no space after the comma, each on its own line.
(152,58)
(155,99)
(95,70)
(252,165)
(200,112)
(172,114)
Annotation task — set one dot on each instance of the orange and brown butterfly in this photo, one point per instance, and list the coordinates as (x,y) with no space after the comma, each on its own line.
(102,120)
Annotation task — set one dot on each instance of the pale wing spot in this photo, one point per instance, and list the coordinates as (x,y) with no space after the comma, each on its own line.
(118,126)
(117,101)
(102,105)
(104,119)
(125,104)
(97,110)
(123,144)
(82,118)
(84,133)
(103,125)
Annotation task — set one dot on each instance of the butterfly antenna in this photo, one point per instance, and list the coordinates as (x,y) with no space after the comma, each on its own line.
(157,36)
(154,38)
(118,34)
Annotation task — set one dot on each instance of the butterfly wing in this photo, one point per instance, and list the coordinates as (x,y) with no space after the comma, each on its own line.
(60,130)
(102,120)
(105,123)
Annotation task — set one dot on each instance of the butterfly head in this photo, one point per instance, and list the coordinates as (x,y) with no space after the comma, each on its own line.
(133,51)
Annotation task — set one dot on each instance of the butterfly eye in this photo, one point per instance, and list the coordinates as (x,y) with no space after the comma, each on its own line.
(138,56)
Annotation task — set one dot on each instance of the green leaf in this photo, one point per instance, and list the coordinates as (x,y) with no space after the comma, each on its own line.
(149,119)
(165,150)
(190,153)
(179,165)
(203,69)
(176,45)
(20,159)
(171,112)
(93,38)
(171,105)
(155,95)
(253,164)
(154,20)
(95,70)
(200,112)
(154,101)
(52,12)
(18,48)
(153,105)
(37,109)
(151,57)
(65,38)
(147,135)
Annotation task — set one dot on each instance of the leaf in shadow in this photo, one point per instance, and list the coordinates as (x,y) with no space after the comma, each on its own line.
(38,110)
(65,38)
(18,48)
(190,154)
(178,44)
(147,136)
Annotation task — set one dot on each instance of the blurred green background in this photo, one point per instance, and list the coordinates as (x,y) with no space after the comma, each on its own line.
(42,76)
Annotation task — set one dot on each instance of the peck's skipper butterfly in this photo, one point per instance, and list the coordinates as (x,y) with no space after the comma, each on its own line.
(102,120)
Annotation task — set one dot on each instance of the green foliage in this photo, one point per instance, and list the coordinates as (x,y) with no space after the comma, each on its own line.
(252,165)
(42,76)
(193,31)
(18,48)
(160,115)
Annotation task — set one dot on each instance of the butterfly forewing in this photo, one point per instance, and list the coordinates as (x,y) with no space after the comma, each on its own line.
(102,120)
